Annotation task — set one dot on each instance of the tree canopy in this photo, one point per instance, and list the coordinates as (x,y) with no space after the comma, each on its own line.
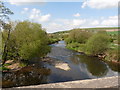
(28,40)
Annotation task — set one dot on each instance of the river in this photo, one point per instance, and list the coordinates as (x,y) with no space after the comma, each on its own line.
(81,66)
(64,65)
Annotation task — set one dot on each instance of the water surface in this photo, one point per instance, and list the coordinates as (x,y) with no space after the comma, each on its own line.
(81,67)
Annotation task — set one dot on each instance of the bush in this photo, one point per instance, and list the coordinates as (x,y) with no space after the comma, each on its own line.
(27,40)
(98,43)
(79,36)
(113,54)
(68,40)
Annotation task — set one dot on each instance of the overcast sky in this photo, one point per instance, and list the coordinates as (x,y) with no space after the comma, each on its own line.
(61,16)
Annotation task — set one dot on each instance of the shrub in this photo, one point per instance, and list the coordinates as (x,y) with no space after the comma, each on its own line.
(113,54)
(98,43)
(79,36)
(27,40)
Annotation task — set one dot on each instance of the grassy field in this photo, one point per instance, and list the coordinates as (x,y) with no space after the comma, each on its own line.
(102,28)
(114,32)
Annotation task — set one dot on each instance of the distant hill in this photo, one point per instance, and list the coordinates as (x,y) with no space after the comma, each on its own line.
(109,29)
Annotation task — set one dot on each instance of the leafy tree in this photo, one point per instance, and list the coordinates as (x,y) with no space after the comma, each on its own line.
(98,43)
(4,16)
(79,36)
(28,40)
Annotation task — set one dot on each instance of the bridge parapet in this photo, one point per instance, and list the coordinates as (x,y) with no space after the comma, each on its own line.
(107,82)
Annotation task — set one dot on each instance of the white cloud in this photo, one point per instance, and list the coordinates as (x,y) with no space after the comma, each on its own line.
(37,16)
(53,27)
(62,24)
(84,4)
(77,15)
(110,21)
(20,2)
(78,22)
(95,22)
(59,25)
(68,24)
(100,4)
(45,18)
(25,10)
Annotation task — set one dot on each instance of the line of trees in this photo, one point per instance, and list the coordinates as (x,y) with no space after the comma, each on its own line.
(97,43)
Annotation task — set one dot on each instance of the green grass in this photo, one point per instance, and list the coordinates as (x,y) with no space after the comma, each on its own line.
(7,64)
(112,45)
(3,68)
(23,64)
(76,47)
(114,32)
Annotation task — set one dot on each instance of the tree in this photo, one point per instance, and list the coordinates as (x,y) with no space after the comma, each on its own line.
(4,16)
(98,43)
(79,36)
(28,40)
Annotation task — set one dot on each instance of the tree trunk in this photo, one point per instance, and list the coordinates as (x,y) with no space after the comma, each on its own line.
(5,51)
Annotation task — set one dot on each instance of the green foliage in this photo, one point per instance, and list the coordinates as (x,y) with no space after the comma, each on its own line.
(79,36)
(77,39)
(76,46)
(113,54)
(27,40)
(53,40)
(23,64)
(4,14)
(95,43)
(55,37)
(98,43)
(68,40)
(7,64)
(73,45)
(3,68)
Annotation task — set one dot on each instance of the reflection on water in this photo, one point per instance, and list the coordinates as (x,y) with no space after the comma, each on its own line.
(114,66)
(81,67)
(26,76)
(94,66)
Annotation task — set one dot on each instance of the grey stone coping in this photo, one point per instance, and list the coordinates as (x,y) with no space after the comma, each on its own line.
(106,82)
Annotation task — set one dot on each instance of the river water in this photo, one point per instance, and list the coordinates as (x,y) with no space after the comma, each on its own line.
(79,67)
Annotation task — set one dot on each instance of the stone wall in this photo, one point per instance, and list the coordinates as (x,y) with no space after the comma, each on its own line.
(107,82)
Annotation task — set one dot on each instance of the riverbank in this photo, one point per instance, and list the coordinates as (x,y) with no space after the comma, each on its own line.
(18,74)
(108,56)
(60,65)
(14,65)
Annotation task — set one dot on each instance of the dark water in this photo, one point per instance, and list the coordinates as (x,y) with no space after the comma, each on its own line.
(81,67)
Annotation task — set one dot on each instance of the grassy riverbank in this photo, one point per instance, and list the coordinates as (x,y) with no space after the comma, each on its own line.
(102,44)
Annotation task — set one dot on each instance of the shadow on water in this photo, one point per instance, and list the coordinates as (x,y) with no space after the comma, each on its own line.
(94,65)
(29,75)
(114,66)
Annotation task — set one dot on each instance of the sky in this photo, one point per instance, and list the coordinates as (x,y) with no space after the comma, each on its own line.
(61,16)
